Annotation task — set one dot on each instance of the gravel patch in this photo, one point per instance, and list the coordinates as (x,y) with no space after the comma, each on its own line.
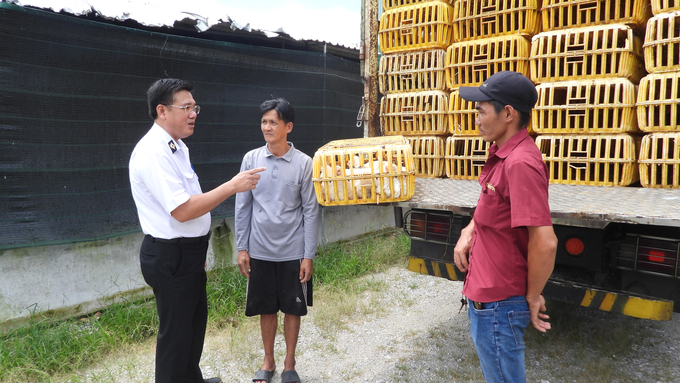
(416,334)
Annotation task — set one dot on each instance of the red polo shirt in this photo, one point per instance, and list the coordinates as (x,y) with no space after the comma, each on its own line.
(514,195)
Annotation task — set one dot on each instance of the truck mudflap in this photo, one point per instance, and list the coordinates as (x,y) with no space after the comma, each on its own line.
(638,306)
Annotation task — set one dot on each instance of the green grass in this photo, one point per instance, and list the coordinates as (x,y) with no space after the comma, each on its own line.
(226,296)
(47,348)
(341,262)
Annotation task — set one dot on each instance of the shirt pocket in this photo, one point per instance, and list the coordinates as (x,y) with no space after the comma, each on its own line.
(191,183)
(488,197)
(487,207)
(290,195)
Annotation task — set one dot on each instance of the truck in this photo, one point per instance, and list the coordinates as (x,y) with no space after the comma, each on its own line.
(618,247)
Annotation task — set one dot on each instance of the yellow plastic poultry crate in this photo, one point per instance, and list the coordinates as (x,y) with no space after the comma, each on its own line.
(462,115)
(658,102)
(470,63)
(421,26)
(665,6)
(606,51)
(585,106)
(465,157)
(662,43)
(390,4)
(415,113)
(564,14)
(475,19)
(364,171)
(428,155)
(660,161)
(412,71)
(589,159)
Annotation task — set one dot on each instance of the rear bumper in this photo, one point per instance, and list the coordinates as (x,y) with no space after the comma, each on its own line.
(619,302)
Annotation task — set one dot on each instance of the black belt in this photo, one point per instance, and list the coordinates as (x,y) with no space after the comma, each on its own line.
(181,240)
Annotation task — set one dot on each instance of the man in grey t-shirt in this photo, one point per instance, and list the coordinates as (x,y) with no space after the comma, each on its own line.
(277,230)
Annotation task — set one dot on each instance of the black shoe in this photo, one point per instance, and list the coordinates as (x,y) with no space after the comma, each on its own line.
(213,380)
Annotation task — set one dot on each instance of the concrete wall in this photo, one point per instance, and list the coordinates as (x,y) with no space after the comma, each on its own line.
(342,222)
(70,280)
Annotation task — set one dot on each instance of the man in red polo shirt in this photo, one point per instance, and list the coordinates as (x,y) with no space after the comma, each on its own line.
(508,250)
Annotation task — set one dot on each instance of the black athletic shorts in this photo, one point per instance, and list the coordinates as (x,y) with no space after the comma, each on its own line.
(275,286)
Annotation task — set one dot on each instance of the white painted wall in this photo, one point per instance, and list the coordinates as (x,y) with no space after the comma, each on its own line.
(74,279)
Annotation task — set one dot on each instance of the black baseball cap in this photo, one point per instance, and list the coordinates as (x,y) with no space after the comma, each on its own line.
(506,87)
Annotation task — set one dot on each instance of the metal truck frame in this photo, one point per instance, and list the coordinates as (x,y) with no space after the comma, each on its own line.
(618,247)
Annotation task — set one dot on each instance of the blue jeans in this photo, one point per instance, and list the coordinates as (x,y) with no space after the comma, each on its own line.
(497,331)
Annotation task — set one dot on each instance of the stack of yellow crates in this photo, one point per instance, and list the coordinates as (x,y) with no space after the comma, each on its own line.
(413,37)
(489,36)
(587,63)
(658,100)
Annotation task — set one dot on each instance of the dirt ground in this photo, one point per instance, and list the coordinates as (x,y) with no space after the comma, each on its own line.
(410,330)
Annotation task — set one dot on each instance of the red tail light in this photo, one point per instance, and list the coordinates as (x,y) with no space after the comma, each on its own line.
(650,254)
(656,256)
(428,226)
(574,246)
(438,227)
(439,230)
(416,225)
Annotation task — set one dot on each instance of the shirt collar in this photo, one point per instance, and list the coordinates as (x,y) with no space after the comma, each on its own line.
(287,157)
(166,138)
(509,145)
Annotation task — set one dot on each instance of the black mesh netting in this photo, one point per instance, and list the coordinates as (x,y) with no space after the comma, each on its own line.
(73,105)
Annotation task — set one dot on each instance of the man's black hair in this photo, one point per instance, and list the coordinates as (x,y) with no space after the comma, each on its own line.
(282,107)
(163,92)
(524,118)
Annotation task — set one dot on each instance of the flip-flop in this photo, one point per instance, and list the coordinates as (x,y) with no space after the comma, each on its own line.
(263,375)
(290,376)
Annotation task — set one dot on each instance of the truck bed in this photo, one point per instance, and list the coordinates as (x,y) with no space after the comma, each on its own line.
(579,205)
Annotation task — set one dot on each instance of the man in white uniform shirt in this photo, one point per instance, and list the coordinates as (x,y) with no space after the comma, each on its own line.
(175,216)
(277,226)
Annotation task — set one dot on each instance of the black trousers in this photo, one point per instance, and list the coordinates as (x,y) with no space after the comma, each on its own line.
(176,272)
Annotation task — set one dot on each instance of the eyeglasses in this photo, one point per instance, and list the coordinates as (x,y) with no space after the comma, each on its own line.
(187,108)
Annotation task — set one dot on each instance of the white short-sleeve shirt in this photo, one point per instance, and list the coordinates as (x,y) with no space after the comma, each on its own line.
(162,178)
